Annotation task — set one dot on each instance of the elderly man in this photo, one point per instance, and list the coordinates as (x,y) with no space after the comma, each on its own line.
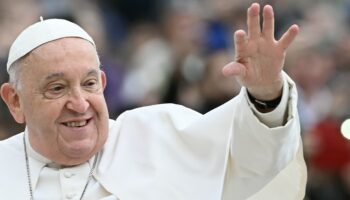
(248,148)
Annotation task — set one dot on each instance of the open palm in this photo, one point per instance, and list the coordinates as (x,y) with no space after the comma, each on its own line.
(259,57)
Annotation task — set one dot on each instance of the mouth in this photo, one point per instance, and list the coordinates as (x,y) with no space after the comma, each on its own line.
(77,123)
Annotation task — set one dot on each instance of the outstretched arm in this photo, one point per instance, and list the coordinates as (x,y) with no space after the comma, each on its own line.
(265,158)
(259,57)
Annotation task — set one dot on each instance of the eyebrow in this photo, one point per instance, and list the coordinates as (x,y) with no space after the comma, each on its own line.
(54,76)
(93,72)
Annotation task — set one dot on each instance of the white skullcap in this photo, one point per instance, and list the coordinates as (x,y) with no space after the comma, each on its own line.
(42,32)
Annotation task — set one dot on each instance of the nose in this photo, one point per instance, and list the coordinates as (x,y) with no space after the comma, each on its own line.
(78,101)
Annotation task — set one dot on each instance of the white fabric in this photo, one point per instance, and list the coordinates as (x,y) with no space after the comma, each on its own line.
(55,183)
(280,114)
(169,152)
(41,33)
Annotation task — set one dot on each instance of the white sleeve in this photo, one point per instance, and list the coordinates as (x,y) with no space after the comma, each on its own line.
(262,144)
(278,116)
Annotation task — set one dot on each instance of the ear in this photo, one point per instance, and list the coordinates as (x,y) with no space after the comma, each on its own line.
(11,98)
(103,79)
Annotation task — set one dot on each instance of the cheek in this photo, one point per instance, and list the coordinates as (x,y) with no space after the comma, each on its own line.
(100,106)
(41,111)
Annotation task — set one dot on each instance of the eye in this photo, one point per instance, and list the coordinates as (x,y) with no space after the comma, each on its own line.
(56,88)
(92,85)
(54,91)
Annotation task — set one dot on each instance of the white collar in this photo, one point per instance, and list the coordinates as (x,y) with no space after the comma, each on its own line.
(38,161)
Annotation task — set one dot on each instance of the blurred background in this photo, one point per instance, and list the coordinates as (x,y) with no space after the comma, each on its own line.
(172,51)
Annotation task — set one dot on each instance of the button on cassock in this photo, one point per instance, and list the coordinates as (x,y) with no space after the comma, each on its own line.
(68,174)
(70,195)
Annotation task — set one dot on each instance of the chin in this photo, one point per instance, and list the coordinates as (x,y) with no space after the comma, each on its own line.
(78,150)
(76,159)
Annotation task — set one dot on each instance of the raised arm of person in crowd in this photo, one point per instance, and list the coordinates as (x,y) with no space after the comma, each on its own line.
(259,57)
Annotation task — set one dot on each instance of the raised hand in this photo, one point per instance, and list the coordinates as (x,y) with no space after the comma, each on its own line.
(259,57)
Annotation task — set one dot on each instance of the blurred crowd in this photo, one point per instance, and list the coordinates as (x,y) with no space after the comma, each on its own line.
(172,51)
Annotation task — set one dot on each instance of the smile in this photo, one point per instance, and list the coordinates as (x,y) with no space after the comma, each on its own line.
(76,123)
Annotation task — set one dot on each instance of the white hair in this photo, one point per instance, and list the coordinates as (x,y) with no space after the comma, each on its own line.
(15,72)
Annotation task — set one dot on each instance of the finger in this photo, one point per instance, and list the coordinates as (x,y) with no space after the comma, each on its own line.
(253,21)
(240,41)
(288,37)
(233,69)
(269,22)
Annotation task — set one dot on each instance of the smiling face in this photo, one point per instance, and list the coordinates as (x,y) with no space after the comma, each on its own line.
(61,100)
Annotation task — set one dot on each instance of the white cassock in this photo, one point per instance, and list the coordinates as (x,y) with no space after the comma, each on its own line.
(169,152)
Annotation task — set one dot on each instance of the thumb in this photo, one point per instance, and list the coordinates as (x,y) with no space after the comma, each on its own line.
(234,69)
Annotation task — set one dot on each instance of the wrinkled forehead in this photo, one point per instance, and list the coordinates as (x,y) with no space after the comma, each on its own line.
(63,50)
(71,57)
(70,53)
